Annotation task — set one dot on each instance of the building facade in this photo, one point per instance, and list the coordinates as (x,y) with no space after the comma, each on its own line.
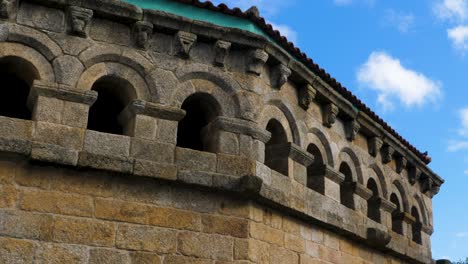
(132,135)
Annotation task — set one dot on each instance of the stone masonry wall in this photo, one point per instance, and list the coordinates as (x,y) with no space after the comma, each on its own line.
(288,170)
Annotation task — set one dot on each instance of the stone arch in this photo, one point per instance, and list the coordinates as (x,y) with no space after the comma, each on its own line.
(399,189)
(382,184)
(419,204)
(319,139)
(35,39)
(114,70)
(95,55)
(16,50)
(347,155)
(286,110)
(270,112)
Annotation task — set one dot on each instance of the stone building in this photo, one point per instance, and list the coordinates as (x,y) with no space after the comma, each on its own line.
(192,133)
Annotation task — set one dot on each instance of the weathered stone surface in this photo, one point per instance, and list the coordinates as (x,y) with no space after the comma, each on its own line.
(33,16)
(198,245)
(83,231)
(108,256)
(16,250)
(144,238)
(25,225)
(58,203)
(105,162)
(58,254)
(228,226)
(8,196)
(106,144)
(195,160)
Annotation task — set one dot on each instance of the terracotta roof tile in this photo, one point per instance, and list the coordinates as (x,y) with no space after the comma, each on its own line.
(290,47)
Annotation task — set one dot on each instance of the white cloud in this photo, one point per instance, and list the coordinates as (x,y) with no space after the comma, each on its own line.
(391,80)
(465,172)
(451,10)
(464,122)
(462,234)
(457,145)
(459,37)
(286,31)
(402,21)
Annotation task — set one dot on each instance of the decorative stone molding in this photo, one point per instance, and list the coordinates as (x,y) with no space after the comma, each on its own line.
(306,94)
(240,126)
(142,31)
(294,152)
(378,237)
(80,19)
(401,163)
(387,154)
(281,75)
(386,205)
(329,173)
(258,58)
(375,144)
(8,8)
(361,190)
(428,186)
(330,111)
(140,107)
(221,52)
(414,174)
(183,43)
(40,88)
(352,129)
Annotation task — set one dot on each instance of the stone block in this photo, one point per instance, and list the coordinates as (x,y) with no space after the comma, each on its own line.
(12,128)
(60,135)
(153,151)
(89,232)
(332,189)
(50,253)
(25,225)
(145,258)
(16,250)
(189,159)
(110,32)
(101,162)
(167,131)
(116,210)
(155,170)
(262,171)
(106,144)
(145,238)
(177,259)
(95,184)
(141,126)
(75,114)
(300,173)
(227,226)
(8,196)
(47,109)
(68,70)
(279,255)
(200,245)
(7,171)
(235,165)
(108,256)
(57,203)
(54,154)
(33,15)
(268,234)
(196,177)
(17,146)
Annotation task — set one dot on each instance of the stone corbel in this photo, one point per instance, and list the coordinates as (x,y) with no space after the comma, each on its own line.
(435,190)
(352,129)
(8,8)
(40,88)
(80,19)
(401,163)
(387,154)
(375,144)
(281,75)
(258,58)
(427,184)
(221,52)
(414,174)
(378,237)
(183,43)
(330,111)
(142,31)
(307,94)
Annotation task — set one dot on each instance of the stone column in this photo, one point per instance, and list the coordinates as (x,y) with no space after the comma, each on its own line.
(361,195)
(386,209)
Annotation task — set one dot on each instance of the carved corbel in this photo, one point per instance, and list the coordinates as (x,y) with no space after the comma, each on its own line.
(401,163)
(307,94)
(387,154)
(281,75)
(183,43)
(435,190)
(258,58)
(79,20)
(222,50)
(427,183)
(352,129)
(414,174)
(142,31)
(329,114)
(378,237)
(375,144)
(8,8)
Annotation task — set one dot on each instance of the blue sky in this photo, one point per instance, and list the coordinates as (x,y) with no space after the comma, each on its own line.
(407,60)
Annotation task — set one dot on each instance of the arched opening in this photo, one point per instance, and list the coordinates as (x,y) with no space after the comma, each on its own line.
(416,226)
(315,172)
(17,77)
(397,221)
(201,109)
(276,159)
(346,193)
(114,94)
(373,210)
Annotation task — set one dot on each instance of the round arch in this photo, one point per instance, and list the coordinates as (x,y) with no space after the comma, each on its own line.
(347,155)
(316,137)
(382,184)
(401,192)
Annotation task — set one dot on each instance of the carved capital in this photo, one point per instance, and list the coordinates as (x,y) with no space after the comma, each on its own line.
(435,190)
(142,31)
(352,129)
(330,111)
(427,183)
(79,20)
(414,174)
(258,58)
(375,144)
(401,163)
(8,8)
(183,43)
(222,50)
(281,75)
(307,94)
(387,154)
